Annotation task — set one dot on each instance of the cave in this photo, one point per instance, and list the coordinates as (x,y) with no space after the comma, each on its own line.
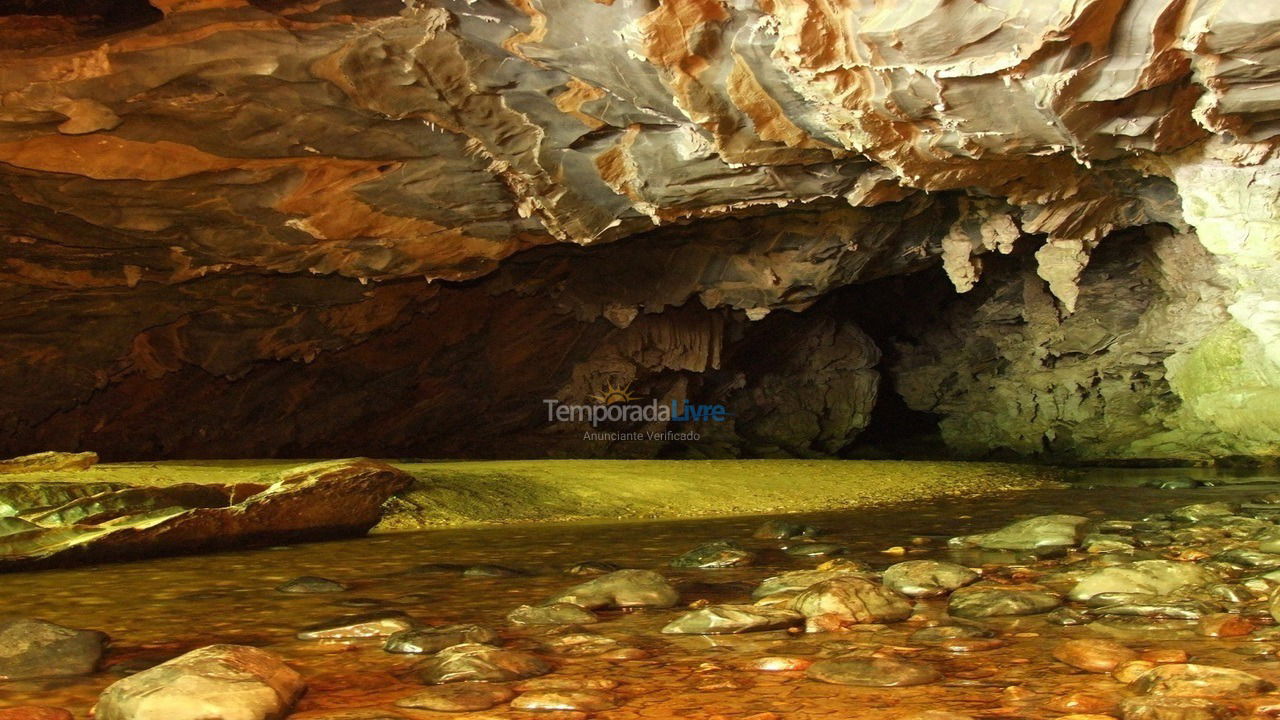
(631,359)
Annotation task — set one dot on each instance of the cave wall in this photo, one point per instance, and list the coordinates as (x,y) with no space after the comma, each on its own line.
(268,227)
(1157,369)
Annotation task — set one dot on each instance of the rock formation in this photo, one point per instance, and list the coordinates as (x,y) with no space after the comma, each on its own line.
(264,227)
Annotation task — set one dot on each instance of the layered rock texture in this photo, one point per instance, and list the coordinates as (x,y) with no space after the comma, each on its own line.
(269,228)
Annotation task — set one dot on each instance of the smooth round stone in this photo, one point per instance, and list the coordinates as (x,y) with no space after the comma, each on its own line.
(1096,656)
(424,641)
(1170,708)
(815,549)
(996,602)
(939,634)
(473,662)
(554,614)
(367,625)
(719,554)
(311,584)
(458,697)
(31,648)
(873,672)
(560,700)
(927,578)
(1037,533)
(852,599)
(621,589)
(1189,680)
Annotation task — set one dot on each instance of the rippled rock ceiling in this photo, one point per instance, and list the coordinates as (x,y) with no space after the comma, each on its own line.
(314,228)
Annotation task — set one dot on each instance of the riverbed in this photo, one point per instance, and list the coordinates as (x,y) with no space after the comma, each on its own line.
(157,609)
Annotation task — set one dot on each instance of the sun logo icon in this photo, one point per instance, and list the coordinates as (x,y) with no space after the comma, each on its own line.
(612,394)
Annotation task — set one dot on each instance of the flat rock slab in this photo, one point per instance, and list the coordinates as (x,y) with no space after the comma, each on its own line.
(873,672)
(322,500)
(49,462)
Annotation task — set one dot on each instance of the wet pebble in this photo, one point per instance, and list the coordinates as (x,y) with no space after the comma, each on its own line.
(581,645)
(815,549)
(424,641)
(366,625)
(719,554)
(474,662)
(621,589)
(970,645)
(852,600)
(731,619)
(779,664)
(553,614)
(993,602)
(927,578)
(1096,656)
(458,697)
(1189,680)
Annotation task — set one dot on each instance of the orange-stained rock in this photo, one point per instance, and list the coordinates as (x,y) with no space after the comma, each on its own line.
(1098,656)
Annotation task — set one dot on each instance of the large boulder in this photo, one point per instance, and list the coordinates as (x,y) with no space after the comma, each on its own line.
(322,500)
(219,682)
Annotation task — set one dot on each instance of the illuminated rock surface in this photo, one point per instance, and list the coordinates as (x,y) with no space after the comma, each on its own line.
(237,228)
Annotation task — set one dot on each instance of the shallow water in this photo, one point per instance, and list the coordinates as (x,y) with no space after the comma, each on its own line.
(157,609)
